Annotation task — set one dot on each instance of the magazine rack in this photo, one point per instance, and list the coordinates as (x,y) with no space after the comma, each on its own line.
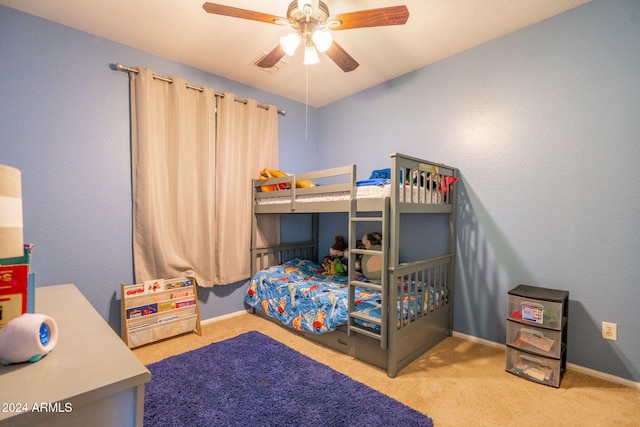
(159,309)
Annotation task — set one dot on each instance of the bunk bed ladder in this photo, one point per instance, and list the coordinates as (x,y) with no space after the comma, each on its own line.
(353,326)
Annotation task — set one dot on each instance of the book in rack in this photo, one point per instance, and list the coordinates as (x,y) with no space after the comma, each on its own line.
(159,309)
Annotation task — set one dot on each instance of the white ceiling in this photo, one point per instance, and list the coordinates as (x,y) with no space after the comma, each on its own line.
(180,30)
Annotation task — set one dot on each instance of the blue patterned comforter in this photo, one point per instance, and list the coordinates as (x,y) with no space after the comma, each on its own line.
(302,297)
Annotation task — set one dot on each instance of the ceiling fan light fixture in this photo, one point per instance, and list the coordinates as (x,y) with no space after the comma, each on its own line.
(310,55)
(305,17)
(290,43)
(322,39)
(308,7)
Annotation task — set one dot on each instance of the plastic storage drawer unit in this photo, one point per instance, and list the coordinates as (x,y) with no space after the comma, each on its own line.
(536,368)
(545,342)
(537,320)
(537,312)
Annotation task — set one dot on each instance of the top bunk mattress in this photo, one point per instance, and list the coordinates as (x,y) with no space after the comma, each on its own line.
(414,194)
(415,181)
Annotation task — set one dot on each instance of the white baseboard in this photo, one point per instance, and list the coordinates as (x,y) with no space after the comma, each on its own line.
(223,317)
(478,340)
(587,371)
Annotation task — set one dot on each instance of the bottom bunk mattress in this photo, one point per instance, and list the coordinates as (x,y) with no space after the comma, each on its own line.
(300,295)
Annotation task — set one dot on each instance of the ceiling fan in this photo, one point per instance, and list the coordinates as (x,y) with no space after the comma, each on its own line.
(312,24)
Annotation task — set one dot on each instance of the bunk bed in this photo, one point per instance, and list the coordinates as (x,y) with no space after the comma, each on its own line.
(387,322)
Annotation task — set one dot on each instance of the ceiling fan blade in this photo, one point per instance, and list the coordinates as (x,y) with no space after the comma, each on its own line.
(234,12)
(272,58)
(341,58)
(394,15)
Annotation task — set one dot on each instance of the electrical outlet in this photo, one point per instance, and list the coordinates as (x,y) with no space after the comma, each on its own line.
(610,331)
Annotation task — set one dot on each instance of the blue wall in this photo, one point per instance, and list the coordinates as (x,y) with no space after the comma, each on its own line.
(542,123)
(64,122)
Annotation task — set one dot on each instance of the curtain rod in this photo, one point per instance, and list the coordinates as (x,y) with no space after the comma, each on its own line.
(126,69)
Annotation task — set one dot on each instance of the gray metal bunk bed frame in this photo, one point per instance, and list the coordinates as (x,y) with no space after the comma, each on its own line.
(402,336)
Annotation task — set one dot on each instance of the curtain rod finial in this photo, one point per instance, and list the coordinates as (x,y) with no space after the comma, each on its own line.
(120,67)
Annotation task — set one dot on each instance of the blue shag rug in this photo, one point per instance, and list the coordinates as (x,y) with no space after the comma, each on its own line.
(253,380)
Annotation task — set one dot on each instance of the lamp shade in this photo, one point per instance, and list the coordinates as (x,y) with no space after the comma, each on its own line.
(11,234)
(310,55)
(290,43)
(322,39)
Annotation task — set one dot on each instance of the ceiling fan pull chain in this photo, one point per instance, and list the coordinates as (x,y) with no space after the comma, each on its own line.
(306,104)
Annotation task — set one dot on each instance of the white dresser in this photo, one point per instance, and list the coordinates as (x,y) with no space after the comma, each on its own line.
(90,377)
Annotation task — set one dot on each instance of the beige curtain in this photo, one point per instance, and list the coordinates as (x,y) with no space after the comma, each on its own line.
(183,178)
(247,142)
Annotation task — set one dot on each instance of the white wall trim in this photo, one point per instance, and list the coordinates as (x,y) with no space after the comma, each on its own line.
(587,371)
(223,317)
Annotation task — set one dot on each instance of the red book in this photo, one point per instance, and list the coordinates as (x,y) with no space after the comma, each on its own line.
(14,285)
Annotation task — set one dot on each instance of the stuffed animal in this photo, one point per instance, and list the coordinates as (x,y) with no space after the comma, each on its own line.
(372,264)
(336,263)
(274,173)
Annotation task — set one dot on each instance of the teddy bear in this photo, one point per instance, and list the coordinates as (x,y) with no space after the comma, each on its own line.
(336,263)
